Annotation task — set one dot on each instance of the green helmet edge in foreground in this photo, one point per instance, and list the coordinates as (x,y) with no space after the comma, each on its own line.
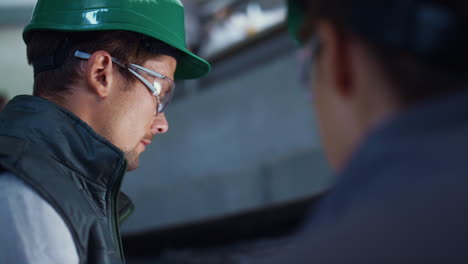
(295,18)
(159,19)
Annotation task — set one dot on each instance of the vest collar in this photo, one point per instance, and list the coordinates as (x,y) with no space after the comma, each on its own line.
(65,138)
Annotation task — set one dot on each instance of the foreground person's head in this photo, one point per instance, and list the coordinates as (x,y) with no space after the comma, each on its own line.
(373,59)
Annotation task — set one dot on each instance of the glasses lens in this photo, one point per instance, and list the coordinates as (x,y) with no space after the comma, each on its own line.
(308,55)
(163,88)
(167,92)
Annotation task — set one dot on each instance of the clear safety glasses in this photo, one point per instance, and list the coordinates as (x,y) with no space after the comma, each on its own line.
(310,51)
(162,87)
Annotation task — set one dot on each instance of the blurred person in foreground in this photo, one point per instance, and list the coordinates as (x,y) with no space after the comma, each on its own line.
(103,75)
(390,89)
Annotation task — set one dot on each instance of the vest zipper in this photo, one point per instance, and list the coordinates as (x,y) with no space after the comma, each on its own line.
(115,217)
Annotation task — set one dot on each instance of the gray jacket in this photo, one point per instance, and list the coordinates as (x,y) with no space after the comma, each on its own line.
(75,170)
(403,197)
(31,230)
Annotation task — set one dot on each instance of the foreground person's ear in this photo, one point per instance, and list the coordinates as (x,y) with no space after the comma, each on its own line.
(336,57)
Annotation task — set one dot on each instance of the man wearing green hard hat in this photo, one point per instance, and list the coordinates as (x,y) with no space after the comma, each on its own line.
(104,73)
(390,90)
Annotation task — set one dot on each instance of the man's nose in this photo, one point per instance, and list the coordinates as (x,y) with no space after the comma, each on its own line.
(160,125)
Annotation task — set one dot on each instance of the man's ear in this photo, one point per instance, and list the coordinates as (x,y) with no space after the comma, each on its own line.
(99,73)
(335,50)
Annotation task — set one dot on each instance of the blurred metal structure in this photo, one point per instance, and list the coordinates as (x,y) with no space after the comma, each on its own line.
(241,166)
(242,138)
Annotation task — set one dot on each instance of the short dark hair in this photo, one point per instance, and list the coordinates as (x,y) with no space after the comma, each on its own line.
(415,79)
(128,47)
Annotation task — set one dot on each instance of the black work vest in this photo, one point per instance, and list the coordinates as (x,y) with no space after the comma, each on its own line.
(75,170)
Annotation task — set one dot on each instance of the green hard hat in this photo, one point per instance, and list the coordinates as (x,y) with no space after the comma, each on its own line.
(160,19)
(296,18)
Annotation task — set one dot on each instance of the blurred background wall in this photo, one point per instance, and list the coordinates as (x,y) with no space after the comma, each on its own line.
(241,139)
(15,75)
(244,138)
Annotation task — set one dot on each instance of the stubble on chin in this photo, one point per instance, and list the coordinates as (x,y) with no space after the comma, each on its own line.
(132,158)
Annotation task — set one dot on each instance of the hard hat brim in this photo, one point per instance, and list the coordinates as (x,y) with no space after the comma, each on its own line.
(190,66)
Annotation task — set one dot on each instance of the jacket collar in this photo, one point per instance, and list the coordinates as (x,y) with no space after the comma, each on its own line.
(407,131)
(58,133)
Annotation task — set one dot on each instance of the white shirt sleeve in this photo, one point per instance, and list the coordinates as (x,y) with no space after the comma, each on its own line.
(31,231)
